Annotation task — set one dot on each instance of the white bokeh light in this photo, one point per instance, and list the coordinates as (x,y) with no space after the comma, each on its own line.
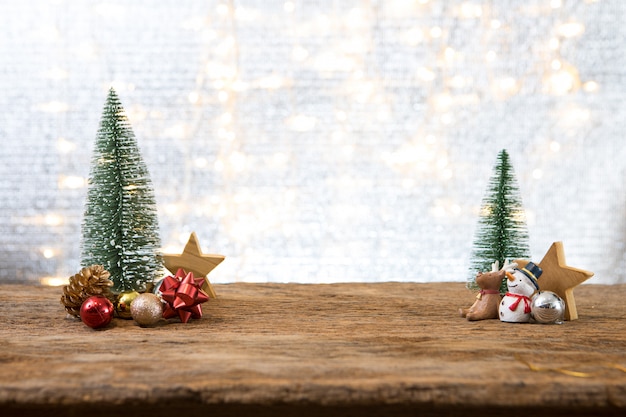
(319,141)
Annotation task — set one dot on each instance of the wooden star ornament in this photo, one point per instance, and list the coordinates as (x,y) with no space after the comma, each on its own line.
(560,278)
(192,260)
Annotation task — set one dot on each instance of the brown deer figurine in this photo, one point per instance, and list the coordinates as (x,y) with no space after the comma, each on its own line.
(488,299)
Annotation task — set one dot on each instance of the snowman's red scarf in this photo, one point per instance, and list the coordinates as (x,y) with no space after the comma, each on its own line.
(519,297)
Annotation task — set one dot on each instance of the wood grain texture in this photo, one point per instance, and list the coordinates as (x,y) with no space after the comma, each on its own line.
(290,349)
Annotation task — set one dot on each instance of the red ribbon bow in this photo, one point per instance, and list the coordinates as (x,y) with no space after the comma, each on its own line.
(519,297)
(183,295)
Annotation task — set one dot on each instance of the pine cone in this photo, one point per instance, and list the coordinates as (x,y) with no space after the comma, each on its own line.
(92,280)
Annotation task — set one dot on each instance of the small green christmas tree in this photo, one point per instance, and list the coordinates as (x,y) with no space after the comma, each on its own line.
(502,232)
(120,227)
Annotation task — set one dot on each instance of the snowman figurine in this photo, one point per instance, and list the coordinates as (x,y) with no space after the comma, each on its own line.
(521,286)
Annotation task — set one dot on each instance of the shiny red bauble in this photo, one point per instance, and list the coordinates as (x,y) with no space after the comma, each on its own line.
(96,311)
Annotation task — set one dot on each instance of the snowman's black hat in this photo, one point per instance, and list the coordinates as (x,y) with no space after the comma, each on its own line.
(533,272)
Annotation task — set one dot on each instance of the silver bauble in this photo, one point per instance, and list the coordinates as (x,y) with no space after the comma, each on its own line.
(146,309)
(157,287)
(547,307)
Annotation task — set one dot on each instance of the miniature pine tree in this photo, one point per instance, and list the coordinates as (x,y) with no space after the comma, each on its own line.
(120,227)
(502,232)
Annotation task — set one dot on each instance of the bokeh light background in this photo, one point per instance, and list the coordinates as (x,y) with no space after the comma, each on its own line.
(319,141)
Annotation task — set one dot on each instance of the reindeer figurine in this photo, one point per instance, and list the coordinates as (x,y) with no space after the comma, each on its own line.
(488,299)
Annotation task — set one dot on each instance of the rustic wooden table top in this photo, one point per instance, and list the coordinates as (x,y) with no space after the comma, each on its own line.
(339,349)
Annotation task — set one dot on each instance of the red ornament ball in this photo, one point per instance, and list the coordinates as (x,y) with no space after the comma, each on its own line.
(96,311)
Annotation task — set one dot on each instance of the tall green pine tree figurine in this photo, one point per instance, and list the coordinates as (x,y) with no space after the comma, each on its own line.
(120,227)
(502,232)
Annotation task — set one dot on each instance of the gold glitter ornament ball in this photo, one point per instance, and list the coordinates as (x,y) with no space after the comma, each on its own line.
(122,305)
(146,309)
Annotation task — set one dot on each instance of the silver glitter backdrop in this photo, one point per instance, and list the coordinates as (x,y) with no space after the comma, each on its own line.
(319,141)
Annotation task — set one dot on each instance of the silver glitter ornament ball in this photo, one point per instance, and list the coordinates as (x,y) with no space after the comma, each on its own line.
(146,309)
(547,308)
